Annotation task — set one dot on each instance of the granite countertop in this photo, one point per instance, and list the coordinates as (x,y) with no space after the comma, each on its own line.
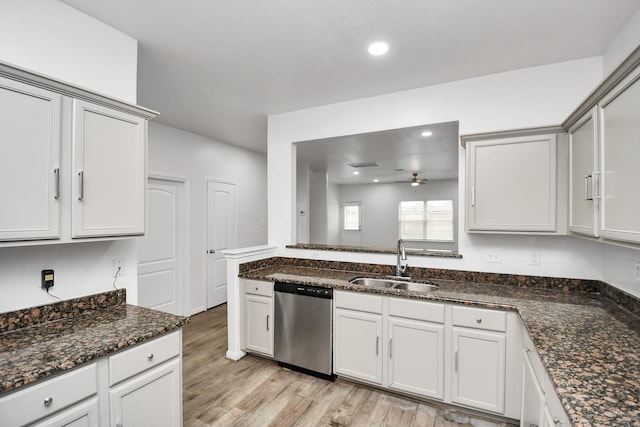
(39,342)
(589,346)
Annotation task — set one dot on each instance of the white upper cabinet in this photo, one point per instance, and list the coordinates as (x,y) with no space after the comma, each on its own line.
(30,121)
(512,184)
(619,113)
(109,172)
(584,176)
(73,164)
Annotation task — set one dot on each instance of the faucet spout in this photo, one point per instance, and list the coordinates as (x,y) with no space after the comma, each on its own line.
(401,255)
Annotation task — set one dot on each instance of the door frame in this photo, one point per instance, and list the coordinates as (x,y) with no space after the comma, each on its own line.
(205,246)
(183,235)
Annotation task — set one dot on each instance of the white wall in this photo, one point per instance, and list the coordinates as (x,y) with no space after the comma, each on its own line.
(624,43)
(538,96)
(173,152)
(80,269)
(318,207)
(380,208)
(54,39)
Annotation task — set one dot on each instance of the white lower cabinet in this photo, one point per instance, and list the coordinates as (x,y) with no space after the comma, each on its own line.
(139,386)
(357,349)
(479,346)
(416,357)
(81,415)
(152,399)
(479,369)
(146,384)
(541,406)
(457,354)
(54,402)
(258,317)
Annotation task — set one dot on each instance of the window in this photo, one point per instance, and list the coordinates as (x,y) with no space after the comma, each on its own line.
(426,220)
(351,216)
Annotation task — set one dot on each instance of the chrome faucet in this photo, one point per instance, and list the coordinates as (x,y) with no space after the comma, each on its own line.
(401,255)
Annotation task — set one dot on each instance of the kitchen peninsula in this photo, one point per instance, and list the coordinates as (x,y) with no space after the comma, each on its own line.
(585,332)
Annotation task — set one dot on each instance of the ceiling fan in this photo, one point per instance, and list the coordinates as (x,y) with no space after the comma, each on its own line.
(415,181)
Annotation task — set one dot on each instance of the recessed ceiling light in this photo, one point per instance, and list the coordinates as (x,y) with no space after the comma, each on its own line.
(426,133)
(376,180)
(356,173)
(378,48)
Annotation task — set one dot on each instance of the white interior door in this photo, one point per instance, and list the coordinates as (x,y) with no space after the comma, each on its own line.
(221,234)
(160,263)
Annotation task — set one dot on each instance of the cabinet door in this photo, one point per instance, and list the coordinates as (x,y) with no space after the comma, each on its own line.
(109,172)
(259,324)
(532,397)
(478,377)
(511,184)
(358,345)
(81,415)
(620,127)
(416,357)
(152,399)
(584,176)
(30,121)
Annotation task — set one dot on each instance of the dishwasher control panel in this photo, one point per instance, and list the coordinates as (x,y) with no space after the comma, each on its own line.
(312,291)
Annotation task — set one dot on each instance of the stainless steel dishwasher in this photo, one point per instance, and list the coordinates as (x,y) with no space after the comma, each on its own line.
(303,327)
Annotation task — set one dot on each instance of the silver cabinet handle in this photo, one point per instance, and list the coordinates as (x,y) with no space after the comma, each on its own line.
(150,356)
(456,361)
(48,401)
(268,322)
(377,345)
(556,420)
(80,185)
(390,348)
(211,251)
(56,182)
(473,196)
(587,178)
(479,320)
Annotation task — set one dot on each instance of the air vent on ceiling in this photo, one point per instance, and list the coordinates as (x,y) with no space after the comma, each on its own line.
(363,165)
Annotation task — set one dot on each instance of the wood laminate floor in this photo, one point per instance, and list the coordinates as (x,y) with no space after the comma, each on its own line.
(257,392)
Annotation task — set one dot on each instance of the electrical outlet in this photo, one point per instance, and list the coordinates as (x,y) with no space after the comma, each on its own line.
(493,256)
(534,257)
(118,267)
(636,272)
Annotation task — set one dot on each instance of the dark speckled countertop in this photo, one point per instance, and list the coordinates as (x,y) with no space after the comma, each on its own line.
(590,347)
(39,342)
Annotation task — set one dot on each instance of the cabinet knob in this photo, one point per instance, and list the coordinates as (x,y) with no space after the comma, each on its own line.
(479,320)
(527,349)
(211,251)
(150,356)
(556,420)
(48,401)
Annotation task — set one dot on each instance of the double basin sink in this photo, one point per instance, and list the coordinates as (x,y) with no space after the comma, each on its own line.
(391,284)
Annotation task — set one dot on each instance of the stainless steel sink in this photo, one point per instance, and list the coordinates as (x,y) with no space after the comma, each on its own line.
(374,283)
(415,287)
(393,284)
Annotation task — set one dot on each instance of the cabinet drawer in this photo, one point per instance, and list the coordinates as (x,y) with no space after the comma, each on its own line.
(48,397)
(258,287)
(359,301)
(142,357)
(479,318)
(418,310)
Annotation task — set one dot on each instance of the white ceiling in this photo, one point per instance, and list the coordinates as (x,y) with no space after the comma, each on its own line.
(219,67)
